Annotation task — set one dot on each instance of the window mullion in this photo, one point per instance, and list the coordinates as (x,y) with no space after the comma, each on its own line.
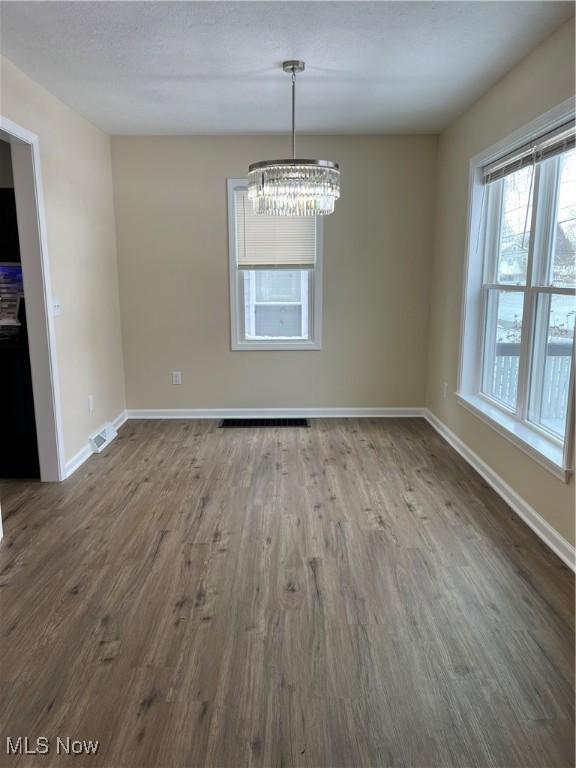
(489,319)
(569,428)
(556,290)
(542,316)
(306,310)
(252,301)
(526,344)
(525,354)
(549,179)
(510,287)
(240,305)
(490,226)
(492,229)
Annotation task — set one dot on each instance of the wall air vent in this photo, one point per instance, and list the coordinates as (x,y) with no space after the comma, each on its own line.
(103,438)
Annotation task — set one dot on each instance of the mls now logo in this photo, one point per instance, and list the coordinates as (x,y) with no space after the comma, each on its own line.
(22,745)
(25,746)
(70,746)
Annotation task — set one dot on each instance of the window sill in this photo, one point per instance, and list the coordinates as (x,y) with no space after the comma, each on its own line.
(546,452)
(270,346)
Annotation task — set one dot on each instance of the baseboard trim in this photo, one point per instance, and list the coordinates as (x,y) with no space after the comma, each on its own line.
(121,419)
(76,461)
(84,453)
(255,413)
(549,535)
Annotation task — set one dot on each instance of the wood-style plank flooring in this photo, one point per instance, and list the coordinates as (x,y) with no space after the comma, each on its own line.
(347,595)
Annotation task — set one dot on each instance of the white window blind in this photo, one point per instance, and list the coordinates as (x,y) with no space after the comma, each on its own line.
(269,242)
(550,144)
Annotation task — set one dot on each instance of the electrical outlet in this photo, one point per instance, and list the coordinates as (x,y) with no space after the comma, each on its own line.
(445,390)
(176,377)
(90,403)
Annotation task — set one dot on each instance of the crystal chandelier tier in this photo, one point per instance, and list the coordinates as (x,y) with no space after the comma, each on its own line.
(294,187)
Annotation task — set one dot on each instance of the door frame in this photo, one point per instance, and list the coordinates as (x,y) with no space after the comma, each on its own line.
(28,191)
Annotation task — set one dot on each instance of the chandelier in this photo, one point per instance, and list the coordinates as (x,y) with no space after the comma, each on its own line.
(294,187)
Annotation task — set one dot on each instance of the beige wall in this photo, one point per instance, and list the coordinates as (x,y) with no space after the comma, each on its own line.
(77,181)
(542,80)
(171,217)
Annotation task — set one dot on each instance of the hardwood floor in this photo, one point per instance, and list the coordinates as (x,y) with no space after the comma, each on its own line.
(348,595)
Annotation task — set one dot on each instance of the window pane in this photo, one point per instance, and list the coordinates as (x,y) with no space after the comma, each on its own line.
(278,285)
(278,320)
(551,361)
(502,345)
(564,256)
(515,227)
(276,304)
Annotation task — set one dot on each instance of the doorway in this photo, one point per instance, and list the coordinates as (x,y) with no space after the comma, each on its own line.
(36,432)
(19,452)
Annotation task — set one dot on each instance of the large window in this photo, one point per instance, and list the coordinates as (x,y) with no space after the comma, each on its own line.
(518,342)
(275,277)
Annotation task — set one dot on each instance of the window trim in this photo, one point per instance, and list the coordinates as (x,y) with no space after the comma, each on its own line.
(536,443)
(237,340)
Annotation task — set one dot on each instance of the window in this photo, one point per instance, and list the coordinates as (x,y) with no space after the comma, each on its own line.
(275,277)
(518,337)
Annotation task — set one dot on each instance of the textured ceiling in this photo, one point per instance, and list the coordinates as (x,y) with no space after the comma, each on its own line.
(213,67)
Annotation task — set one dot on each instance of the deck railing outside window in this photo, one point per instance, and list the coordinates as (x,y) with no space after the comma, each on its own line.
(556,378)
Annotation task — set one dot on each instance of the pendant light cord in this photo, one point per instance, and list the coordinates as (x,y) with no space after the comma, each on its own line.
(293,114)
